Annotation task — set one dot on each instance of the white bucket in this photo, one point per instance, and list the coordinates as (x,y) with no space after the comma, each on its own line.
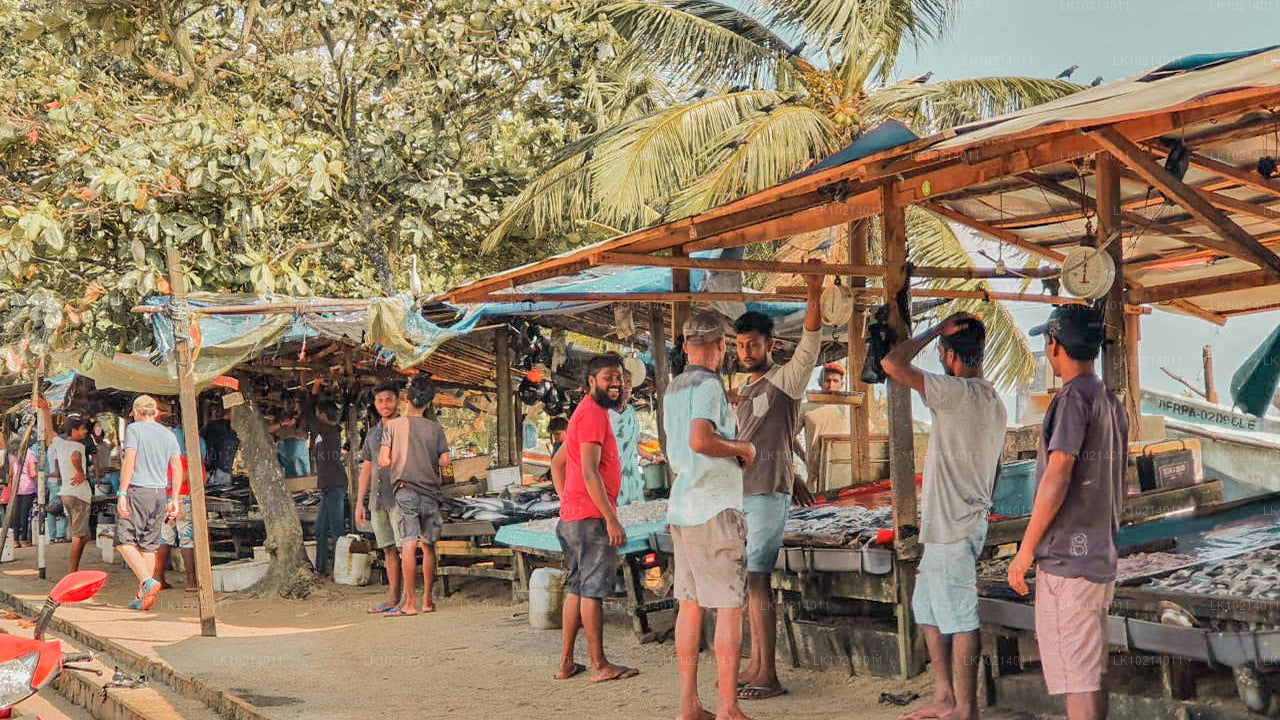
(8,547)
(351,568)
(309,547)
(238,575)
(546,598)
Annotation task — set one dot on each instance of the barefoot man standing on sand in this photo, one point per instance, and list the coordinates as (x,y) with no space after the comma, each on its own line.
(415,449)
(708,530)
(151,456)
(375,484)
(1071,537)
(587,474)
(965,447)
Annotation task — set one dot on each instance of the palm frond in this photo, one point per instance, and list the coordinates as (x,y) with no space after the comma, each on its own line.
(551,202)
(930,107)
(758,154)
(700,41)
(862,36)
(657,156)
(931,241)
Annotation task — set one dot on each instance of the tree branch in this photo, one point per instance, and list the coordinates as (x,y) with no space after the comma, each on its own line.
(250,15)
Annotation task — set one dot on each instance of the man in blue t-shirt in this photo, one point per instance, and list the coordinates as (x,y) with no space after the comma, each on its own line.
(146,498)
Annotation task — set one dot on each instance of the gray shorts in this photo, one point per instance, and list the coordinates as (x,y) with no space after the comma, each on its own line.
(143,528)
(591,561)
(417,517)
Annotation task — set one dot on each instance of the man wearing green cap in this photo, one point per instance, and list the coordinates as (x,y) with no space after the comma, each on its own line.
(1071,537)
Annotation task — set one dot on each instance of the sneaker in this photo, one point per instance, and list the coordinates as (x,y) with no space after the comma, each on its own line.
(150,589)
(135,604)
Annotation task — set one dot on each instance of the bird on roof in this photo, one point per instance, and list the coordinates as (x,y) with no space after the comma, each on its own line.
(1066,74)
(918,80)
(1096,81)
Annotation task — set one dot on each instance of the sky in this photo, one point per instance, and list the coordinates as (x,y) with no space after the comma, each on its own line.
(1114,39)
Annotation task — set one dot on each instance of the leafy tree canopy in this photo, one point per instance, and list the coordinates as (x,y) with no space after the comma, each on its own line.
(297,147)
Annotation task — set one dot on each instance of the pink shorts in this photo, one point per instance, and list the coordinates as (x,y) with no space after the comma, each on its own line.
(1071,630)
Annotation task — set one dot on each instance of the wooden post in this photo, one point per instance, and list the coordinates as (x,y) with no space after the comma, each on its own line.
(901,440)
(860,414)
(502,355)
(1133,390)
(679,310)
(14,472)
(352,397)
(1119,366)
(661,372)
(1210,389)
(191,435)
(42,492)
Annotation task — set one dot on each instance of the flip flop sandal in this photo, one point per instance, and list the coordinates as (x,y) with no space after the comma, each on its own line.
(624,673)
(578,669)
(399,612)
(381,609)
(756,692)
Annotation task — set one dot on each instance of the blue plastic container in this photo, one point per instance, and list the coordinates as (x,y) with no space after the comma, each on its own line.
(1016,489)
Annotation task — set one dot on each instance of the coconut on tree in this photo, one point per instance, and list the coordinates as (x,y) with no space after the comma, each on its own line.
(754,108)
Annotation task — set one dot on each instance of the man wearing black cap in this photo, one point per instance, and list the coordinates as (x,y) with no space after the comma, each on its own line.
(1079,496)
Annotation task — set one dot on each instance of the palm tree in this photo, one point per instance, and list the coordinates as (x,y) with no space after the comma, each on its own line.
(753,111)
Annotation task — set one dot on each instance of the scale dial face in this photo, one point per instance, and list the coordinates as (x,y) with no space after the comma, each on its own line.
(836,305)
(1088,274)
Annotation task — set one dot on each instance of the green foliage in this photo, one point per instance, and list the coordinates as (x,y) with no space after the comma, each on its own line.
(753,112)
(297,147)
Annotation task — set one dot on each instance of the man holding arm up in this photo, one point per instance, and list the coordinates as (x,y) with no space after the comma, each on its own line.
(1071,537)
(965,446)
(587,474)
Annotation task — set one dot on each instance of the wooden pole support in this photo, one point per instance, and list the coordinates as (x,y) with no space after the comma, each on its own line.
(502,356)
(901,439)
(859,415)
(191,435)
(661,372)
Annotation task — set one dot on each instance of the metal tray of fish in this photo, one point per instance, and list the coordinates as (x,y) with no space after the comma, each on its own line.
(792,559)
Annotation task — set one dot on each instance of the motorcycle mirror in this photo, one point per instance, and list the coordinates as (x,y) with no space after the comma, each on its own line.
(78,586)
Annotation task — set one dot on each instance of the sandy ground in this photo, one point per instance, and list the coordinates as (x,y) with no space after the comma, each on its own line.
(475,658)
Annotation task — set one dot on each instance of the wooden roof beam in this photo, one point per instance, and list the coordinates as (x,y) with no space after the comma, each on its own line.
(1244,177)
(1270,240)
(994,232)
(1204,286)
(1189,198)
(1195,310)
(642,297)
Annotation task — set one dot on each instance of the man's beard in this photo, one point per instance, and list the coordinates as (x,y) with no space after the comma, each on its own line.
(601,396)
(760,365)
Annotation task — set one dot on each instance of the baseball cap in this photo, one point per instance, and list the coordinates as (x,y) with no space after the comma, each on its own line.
(833,368)
(1075,326)
(703,327)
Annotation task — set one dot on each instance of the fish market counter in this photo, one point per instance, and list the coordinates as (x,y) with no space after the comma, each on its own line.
(646,585)
(1197,595)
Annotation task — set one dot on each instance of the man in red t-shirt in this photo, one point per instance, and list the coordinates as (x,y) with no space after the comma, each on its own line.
(587,474)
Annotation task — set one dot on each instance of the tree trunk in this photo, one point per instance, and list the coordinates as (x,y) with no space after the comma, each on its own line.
(291,574)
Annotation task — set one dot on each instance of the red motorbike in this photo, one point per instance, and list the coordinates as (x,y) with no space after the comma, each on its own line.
(28,666)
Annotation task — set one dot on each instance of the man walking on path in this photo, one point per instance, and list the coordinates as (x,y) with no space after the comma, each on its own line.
(75,492)
(966,442)
(768,405)
(415,449)
(146,497)
(708,530)
(1071,537)
(386,399)
(587,475)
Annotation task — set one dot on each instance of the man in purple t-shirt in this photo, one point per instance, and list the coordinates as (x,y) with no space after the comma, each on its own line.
(1071,537)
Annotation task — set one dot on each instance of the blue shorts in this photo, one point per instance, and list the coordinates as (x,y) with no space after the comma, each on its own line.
(946,595)
(766,518)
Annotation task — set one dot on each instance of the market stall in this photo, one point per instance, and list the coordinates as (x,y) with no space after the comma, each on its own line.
(1143,192)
